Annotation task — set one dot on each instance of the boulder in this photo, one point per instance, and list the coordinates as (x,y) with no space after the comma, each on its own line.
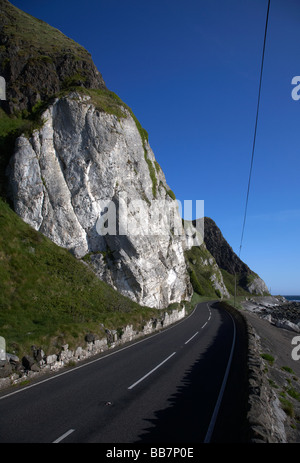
(5,369)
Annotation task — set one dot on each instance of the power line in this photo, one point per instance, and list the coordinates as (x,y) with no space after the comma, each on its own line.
(255,130)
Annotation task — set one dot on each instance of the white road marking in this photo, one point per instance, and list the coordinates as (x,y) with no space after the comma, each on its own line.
(150,372)
(100,358)
(209,311)
(59,439)
(191,337)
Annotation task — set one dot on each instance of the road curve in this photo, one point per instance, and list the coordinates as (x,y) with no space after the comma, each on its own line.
(185,384)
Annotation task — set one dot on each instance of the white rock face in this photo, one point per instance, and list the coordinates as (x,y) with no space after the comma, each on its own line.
(258,286)
(82,161)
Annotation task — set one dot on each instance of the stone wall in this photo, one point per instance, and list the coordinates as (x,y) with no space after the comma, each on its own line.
(15,371)
(265,415)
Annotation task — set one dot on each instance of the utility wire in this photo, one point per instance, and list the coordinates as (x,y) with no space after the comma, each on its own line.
(256,120)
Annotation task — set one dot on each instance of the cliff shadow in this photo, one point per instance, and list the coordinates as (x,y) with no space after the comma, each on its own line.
(189,411)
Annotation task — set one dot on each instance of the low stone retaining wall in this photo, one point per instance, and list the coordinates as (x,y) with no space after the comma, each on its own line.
(15,371)
(265,415)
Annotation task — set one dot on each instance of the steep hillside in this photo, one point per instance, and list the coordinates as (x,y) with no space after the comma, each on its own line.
(214,268)
(83,150)
(38,61)
(230,264)
(49,298)
(71,151)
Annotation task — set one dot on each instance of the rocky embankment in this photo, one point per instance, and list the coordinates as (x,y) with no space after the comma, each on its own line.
(277,310)
(274,374)
(15,370)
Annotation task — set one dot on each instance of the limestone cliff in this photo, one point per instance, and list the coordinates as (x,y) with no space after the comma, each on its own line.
(82,161)
(83,174)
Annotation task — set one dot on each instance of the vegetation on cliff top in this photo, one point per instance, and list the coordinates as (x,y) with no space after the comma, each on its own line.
(35,36)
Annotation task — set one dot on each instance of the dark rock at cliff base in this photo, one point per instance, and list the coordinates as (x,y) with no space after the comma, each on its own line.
(221,250)
(228,260)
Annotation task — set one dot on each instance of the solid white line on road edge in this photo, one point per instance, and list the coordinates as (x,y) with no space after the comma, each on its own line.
(63,436)
(191,337)
(150,372)
(218,403)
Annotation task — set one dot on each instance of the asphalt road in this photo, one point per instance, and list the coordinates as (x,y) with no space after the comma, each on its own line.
(167,388)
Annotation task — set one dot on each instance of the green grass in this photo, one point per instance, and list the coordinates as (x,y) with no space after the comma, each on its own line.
(287,406)
(199,273)
(103,100)
(152,175)
(293,393)
(287,369)
(268,357)
(229,281)
(109,102)
(37,38)
(48,298)
(171,194)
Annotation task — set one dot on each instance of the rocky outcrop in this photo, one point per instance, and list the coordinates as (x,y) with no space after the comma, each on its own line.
(202,265)
(38,61)
(89,181)
(284,315)
(229,261)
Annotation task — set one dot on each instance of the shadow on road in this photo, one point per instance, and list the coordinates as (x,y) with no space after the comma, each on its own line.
(188,415)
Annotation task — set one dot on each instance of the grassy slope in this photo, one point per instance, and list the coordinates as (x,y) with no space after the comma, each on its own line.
(47,297)
(200,274)
(35,36)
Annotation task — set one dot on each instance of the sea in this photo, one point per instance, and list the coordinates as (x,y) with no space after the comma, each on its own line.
(293,298)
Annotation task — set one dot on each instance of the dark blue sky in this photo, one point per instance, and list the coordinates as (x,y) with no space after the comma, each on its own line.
(190,72)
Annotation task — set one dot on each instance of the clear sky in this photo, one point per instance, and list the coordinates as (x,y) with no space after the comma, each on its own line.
(189,69)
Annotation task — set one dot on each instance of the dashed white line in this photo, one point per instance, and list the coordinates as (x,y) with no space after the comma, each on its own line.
(100,358)
(150,372)
(191,338)
(209,311)
(59,439)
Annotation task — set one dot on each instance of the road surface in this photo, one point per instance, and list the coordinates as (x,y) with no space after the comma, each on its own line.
(185,384)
